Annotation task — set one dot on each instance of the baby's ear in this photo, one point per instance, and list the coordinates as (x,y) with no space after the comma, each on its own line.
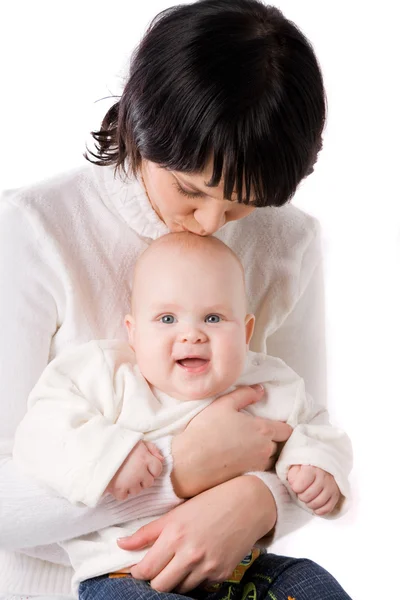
(130,325)
(249,325)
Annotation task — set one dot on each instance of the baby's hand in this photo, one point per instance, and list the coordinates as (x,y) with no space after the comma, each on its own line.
(315,487)
(137,472)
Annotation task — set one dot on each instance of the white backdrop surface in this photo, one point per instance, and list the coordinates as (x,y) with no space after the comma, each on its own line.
(59,58)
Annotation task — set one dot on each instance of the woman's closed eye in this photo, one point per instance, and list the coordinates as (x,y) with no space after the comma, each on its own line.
(187,193)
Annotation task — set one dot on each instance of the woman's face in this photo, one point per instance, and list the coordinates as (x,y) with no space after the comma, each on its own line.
(185,203)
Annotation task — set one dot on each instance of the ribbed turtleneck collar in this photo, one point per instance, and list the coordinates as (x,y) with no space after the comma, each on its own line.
(129,198)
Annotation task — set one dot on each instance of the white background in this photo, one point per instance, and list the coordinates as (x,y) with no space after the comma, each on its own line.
(59,58)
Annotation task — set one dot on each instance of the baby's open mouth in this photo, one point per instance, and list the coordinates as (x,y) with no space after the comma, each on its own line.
(194,364)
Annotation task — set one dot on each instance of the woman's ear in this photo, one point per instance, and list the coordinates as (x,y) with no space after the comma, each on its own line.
(249,325)
(130,325)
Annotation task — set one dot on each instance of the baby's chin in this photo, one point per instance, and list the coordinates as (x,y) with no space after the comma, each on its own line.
(205,393)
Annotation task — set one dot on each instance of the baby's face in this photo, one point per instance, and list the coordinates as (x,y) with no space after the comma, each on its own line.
(189,327)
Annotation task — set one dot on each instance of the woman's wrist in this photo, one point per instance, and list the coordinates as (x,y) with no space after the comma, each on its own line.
(181,457)
(192,472)
(262,504)
(252,492)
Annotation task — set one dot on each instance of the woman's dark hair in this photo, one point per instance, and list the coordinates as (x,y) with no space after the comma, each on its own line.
(232,81)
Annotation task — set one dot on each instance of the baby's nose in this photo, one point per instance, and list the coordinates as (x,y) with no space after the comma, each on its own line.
(192,336)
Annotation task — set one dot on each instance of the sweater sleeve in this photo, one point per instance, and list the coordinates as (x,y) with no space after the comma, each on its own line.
(29,514)
(315,442)
(289,515)
(28,315)
(300,342)
(70,438)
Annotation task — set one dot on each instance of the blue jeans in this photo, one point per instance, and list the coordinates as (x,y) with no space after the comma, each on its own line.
(270,577)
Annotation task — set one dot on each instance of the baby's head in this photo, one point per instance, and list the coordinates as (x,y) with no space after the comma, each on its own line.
(189,325)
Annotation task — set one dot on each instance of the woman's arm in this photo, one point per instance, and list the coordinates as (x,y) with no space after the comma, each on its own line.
(29,299)
(32,516)
(300,339)
(205,538)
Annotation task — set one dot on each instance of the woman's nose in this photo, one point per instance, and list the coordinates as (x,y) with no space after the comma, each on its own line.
(210,219)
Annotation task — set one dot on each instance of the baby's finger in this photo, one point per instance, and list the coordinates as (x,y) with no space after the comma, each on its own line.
(146,480)
(292,474)
(155,466)
(305,477)
(120,493)
(153,449)
(118,488)
(320,500)
(313,491)
(329,506)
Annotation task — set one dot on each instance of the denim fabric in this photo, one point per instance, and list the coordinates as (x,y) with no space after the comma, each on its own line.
(270,577)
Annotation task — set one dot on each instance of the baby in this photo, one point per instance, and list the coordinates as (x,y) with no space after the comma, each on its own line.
(101,413)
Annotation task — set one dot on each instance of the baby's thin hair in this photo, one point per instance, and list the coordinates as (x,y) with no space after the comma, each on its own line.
(190,241)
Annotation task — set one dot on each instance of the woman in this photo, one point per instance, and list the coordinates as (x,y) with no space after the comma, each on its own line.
(220,120)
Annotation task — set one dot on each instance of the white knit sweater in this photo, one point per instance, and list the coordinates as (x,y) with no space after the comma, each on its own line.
(67,248)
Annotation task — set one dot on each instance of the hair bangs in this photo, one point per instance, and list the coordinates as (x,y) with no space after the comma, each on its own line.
(236,156)
(230,84)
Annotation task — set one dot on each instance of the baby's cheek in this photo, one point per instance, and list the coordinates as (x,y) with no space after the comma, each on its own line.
(233,360)
(151,362)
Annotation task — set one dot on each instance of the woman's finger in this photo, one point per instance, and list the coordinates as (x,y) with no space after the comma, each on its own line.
(189,583)
(178,577)
(155,564)
(145,536)
(242,397)
(280,432)
(273,449)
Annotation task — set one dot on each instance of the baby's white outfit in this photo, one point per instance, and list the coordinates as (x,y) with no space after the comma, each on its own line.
(92,405)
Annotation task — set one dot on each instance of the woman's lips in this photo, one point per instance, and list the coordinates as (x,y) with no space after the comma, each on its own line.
(194,365)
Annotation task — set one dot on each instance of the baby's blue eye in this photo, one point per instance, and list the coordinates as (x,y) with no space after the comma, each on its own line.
(168,319)
(212,319)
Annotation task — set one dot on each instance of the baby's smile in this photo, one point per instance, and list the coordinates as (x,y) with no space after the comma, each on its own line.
(194,364)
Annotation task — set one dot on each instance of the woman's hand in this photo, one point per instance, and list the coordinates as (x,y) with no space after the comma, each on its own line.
(221,443)
(205,538)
